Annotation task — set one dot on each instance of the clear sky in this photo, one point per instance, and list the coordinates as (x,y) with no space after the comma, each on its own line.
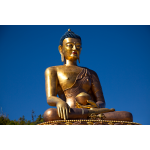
(120,55)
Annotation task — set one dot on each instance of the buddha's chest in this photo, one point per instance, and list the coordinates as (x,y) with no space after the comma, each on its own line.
(67,76)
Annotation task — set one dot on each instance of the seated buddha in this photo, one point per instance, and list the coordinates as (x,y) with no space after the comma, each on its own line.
(79,89)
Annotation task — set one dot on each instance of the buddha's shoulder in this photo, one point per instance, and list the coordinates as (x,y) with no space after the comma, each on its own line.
(92,72)
(53,69)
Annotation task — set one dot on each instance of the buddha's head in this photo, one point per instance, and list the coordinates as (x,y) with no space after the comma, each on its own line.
(70,46)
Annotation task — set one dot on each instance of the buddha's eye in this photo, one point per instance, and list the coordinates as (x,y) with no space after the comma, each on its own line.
(78,46)
(70,45)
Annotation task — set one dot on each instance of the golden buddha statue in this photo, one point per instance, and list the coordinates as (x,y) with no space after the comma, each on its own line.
(79,89)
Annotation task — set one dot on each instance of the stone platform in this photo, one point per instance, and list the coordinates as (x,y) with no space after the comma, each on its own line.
(88,122)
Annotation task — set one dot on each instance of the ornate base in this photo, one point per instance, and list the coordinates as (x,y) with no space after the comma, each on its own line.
(88,122)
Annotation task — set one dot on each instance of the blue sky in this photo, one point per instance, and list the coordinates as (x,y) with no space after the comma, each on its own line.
(118,54)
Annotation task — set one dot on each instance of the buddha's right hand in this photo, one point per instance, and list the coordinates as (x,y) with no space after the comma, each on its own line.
(63,109)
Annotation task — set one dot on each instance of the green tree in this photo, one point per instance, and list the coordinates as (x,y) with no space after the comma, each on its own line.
(4,120)
(39,119)
(1,120)
(33,115)
(29,122)
(22,120)
(12,122)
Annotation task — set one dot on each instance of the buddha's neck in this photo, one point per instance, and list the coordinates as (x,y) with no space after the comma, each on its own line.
(70,63)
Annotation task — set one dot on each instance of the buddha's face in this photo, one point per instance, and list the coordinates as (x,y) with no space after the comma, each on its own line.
(71,48)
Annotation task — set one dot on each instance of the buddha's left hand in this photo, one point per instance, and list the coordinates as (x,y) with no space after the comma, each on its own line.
(93,104)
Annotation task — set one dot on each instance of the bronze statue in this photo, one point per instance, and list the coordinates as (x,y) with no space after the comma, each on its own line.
(79,89)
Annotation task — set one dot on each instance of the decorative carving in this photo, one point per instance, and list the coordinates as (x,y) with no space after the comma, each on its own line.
(110,123)
(88,122)
(68,123)
(93,116)
(101,116)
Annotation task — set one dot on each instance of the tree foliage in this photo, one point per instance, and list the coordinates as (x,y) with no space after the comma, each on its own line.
(21,121)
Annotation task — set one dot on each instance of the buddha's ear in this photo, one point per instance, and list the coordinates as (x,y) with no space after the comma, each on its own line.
(60,49)
(61,53)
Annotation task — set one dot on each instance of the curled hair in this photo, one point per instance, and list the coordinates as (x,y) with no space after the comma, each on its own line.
(68,34)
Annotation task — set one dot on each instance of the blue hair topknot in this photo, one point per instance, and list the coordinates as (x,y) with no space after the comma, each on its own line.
(68,34)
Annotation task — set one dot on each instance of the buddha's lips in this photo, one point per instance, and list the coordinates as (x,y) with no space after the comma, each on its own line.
(74,52)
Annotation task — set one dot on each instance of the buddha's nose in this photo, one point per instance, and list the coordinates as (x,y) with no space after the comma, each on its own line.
(74,47)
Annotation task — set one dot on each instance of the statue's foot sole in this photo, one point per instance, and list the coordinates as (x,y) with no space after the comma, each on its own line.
(119,116)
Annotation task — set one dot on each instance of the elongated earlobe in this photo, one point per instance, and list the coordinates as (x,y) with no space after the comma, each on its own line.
(61,53)
(62,57)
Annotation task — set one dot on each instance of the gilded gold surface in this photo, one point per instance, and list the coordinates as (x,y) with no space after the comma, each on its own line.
(93,116)
(67,75)
(82,99)
(60,78)
(77,87)
(83,94)
(100,116)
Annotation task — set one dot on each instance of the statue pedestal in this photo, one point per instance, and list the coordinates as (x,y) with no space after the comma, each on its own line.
(88,122)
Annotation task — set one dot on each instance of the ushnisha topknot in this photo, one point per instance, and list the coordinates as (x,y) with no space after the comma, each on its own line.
(68,34)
